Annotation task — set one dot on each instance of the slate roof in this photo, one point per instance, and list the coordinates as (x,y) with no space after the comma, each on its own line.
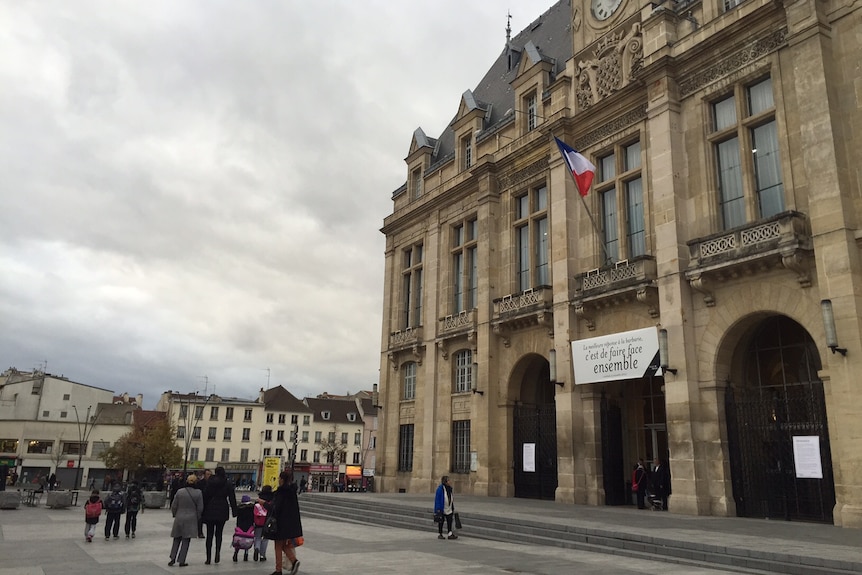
(548,38)
(337,408)
(279,399)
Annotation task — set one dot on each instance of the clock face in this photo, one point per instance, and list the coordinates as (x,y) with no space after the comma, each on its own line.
(604,9)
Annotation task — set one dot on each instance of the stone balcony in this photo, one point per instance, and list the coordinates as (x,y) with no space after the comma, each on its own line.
(456,325)
(782,241)
(520,311)
(409,339)
(624,282)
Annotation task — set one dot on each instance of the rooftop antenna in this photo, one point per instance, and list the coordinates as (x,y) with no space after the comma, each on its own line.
(268,373)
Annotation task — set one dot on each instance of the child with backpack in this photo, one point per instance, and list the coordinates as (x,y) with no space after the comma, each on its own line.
(243,535)
(260,542)
(92,511)
(115,505)
(134,502)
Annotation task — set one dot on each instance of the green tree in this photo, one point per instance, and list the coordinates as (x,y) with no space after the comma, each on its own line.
(148,445)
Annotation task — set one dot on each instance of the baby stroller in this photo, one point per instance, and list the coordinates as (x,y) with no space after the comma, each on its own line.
(653,501)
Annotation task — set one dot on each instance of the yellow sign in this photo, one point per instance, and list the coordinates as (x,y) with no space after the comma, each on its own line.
(271,469)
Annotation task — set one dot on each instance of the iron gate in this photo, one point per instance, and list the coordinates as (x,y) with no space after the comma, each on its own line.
(761,424)
(536,424)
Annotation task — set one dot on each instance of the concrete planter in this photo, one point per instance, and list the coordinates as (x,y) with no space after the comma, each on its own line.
(59,499)
(154,499)
(10,500)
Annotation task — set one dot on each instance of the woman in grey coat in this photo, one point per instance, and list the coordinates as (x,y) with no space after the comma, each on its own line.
(187,507)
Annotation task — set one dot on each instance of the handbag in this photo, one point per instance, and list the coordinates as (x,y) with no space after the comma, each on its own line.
(270,527)
(438,517)
(457,520)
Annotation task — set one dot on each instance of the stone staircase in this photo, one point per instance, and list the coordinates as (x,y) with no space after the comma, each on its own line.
(500,528)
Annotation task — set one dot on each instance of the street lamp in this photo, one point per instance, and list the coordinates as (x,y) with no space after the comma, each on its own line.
(83,436)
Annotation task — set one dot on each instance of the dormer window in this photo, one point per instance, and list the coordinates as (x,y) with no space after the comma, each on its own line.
(325,415)
(351,416)
(416,183)
(467,152)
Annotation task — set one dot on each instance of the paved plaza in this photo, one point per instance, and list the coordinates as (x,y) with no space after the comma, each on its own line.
(41,541)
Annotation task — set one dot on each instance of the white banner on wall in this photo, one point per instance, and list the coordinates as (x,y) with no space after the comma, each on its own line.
(625,355)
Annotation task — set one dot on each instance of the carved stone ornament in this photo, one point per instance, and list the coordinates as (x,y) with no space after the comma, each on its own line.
(618,57)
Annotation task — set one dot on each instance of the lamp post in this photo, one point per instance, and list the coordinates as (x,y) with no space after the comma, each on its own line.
(83,436)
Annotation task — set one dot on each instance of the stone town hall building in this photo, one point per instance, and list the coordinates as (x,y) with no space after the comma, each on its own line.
(701,304)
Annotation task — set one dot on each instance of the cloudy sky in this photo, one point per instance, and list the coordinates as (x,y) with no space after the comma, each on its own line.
(191,191)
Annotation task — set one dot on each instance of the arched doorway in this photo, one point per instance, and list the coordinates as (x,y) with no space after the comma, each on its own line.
(773,400)
(534,429)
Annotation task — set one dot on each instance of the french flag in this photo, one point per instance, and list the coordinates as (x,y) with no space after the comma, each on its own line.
(582,169)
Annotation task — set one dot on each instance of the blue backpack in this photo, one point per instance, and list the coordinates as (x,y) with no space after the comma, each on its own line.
(115,502)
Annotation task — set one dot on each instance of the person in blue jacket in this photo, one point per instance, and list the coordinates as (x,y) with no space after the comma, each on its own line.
(444,507)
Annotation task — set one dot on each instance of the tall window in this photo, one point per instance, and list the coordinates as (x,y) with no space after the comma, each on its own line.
(193,454)
(461,446)
(405,447)
(246,433)
(199,412)
(270,417)
(463,371)
(318,436)
(196,433)
(412,292)
(531,103)
(211,433)
(532,238)
(416,182)
(620,190)
(243,455)
(465,269)
(184,411)
(227,433)
(467,151)
(267,435)
(209,455)
(748,183)
(214,413)
(247,416)
(409,387)
(181,432)
(225,454)
(228,414)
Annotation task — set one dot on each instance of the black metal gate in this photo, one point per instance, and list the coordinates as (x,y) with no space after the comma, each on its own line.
(537,425)
(613,473)
(761,424)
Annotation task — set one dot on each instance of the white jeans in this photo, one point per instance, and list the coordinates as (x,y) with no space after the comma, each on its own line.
(90,530)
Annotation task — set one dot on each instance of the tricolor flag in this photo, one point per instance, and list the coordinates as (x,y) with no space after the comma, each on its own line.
(582,169)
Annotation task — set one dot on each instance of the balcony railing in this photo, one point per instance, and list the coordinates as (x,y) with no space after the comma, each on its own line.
(780,241)
(624,282)
(519,311)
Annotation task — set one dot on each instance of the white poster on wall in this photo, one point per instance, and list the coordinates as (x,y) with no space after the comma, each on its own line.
(624,355)
(529,457)
(806,457)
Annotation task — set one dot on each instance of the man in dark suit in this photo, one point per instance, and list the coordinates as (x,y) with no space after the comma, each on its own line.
(660,480)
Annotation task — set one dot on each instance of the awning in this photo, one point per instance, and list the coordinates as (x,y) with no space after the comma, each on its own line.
(354,471)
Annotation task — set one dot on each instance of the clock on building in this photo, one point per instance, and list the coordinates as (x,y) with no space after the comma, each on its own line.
(604,9)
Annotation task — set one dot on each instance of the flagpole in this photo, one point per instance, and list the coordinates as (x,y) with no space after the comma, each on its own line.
(592,220)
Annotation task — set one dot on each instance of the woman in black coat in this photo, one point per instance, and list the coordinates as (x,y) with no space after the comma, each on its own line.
(219,503)
(285,508)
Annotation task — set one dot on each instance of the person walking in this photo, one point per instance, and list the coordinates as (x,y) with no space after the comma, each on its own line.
(444,507)
(202,485)
(260,512)
(639,483)
(661,482)
(186,508)
(285,508)
(219,504)
(92,512)
(115,506)
(134,503)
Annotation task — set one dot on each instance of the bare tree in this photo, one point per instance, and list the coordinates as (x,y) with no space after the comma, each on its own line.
(333,448)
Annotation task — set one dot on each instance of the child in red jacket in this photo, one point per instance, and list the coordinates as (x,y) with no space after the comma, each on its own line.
(92,512)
